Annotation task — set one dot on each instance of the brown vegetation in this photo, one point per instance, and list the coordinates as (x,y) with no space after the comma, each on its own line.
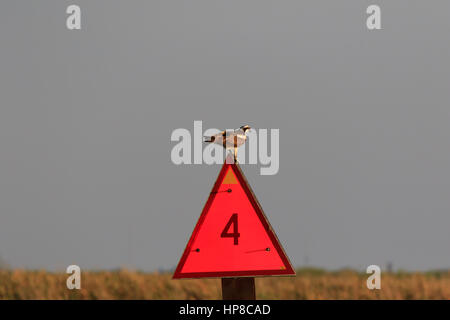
(308,284)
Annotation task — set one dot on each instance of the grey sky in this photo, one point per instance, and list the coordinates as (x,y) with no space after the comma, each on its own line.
(86,118)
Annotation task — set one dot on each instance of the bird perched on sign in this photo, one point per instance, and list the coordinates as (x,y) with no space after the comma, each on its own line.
(230,138)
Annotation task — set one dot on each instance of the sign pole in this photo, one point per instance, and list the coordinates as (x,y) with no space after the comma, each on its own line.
(238,288)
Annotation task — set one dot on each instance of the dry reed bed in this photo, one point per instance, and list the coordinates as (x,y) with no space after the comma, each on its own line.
(309,284)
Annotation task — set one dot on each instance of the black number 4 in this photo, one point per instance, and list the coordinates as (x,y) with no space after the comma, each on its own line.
(235,235)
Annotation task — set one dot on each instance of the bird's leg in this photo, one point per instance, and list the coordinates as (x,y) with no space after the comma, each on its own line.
(235,149)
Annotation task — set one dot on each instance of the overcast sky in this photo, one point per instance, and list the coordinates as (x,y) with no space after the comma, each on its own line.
(86,118)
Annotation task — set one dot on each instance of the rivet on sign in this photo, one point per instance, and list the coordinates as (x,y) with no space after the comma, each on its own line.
(229,190)
(198,250)
(267,249)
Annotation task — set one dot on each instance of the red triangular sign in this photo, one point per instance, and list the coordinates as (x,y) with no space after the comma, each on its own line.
(233,237)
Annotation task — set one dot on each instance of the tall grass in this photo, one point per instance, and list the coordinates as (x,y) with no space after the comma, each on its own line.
(308,284)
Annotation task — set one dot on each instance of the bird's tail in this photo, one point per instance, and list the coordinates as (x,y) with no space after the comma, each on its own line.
(208,139)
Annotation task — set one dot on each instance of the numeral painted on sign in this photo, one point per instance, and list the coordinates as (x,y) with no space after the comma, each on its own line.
(235,235)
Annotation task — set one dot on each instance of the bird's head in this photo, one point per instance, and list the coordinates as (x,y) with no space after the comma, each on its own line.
(245,128)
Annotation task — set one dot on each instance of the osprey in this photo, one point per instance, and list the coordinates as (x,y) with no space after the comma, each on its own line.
(230,139)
